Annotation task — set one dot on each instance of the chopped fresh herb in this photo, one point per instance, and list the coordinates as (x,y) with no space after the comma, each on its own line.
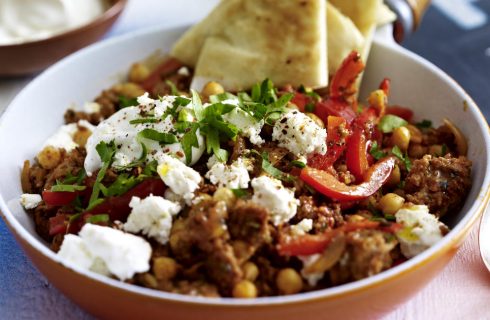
(197,105)
(99,218)
(161,137)
(240,193)
(376,152)
(299,164)
(401,185)
(268,167)
(221,97)
(376,212)
(310,93)
(106,152)
(138,162)
(390,122)
(390,217)
(74,217)
(403,157)
(144,120)
(264,92)
(77,179)
(310,107)
(173,88)
(424,124)
(190,140)
(67,188)
(123,184)
(125,102)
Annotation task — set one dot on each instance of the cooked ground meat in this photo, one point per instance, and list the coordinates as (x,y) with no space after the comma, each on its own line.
(440,183)
(367,253)
(71,163)
(324,217)
(248,222)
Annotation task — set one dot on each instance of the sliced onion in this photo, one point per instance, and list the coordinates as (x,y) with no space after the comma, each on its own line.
(459,139)
(329,257)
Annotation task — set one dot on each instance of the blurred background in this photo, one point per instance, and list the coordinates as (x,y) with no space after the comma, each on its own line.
(455,35)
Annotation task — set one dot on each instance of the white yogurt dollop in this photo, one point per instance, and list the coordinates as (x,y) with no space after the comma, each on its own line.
(29,20)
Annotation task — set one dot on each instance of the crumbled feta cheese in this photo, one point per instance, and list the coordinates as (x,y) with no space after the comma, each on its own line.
(183,180)
(100,248)
(184,72)
(212,161)
(234,176)
(271,194)
(299,134)
(311,278)
(421,229)
(247,124)
(30,201)
(303,227)
(152,216)
(63,138)
(118,128)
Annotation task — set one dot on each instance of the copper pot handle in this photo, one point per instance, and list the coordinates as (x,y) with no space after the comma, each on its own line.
(409,15)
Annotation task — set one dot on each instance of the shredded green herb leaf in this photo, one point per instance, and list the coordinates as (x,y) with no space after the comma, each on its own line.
(424,124)
(376,152)
(106,152)
(403,157)
(240,193)
(173,88)
(299,164)
(144,120)
(125,102)
(161,137)
(67,188)
(99,218)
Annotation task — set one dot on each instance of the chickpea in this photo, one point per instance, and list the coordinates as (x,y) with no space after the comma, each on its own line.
(129,89)
(289,281)
(390,203)
(417,151)
(164,268)
(415,134)
(316,119)
(394,178)
(355,218)
(401,138)
(250,271)
(436,150)
(212,88)
(378,99)
(81,136)
(138,73)
(225,195)
(49,157)
(149,280)
(244,289)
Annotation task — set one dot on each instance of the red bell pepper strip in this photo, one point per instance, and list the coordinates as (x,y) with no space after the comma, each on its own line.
(334,107)
(58,224)
(385,85)
(328,185)
(166,68)
(300,100)
(311,244)
(58,198)
(337,133)
(118,207)
(401,112)
(345,77)
(356,154)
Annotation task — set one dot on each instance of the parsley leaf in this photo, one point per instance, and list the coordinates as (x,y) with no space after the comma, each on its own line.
(161,137)
(298,163)
(197,105)
(173,88)
(144,120)
(376,152)
(125,102)
(424,124)
(189,140)
(67,188)
(98,218)
(240,193)
(403,157)
(138,162)
(106,151)
(268,167)
(390,122)
(124,182)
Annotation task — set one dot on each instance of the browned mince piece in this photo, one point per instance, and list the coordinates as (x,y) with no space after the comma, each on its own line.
(203,236)
(324,217)
(248,223)
(72,116)
(367,253)
(109,102)
(239,148)
(41,215)
(196,288)
(36,177)
(71,163)
(182,82)
(440,183)
(206,188)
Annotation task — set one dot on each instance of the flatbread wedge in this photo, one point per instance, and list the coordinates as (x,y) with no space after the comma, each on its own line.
(243,42)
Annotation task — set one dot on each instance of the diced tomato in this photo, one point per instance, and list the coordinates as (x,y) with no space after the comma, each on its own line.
(401,112)
(385,85)
(312,244)
(300,100)
(58,225)
(118,207)
(337,132)
(328,185)
(166,68)
(59,198)
(367,115)
(334,107)
(345,77)
(356,154)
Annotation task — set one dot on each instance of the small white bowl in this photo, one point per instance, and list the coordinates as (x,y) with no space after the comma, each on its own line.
(38,111)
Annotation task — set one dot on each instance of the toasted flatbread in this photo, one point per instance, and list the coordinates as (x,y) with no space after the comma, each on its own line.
(343,37)
(244,41)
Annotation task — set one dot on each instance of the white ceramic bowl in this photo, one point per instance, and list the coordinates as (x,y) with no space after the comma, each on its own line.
(38,111)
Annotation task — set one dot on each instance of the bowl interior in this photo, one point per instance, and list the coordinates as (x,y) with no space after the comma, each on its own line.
(38,111)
